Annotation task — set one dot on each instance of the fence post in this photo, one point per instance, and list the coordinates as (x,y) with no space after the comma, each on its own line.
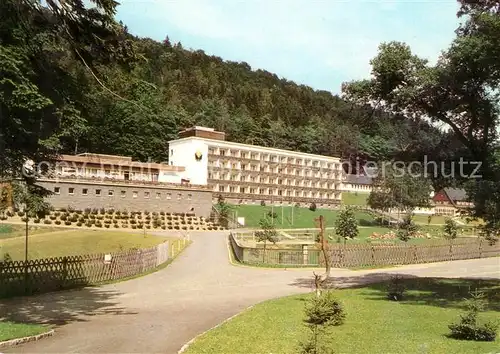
(480,248)
(373,255)
(65,271)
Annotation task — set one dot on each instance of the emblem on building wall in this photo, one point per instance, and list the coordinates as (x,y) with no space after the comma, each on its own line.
(198,155)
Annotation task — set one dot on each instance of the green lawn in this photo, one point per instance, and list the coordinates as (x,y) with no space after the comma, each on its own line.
(288,217)
(354,198)
(12,330)
(11,230)
(419,324)
(76,242)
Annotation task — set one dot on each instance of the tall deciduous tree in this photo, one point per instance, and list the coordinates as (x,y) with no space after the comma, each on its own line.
(462,91)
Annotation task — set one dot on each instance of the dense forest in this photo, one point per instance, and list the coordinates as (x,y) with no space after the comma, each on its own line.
(172,88)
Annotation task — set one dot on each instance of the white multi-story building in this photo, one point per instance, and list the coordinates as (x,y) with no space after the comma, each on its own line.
(242,172)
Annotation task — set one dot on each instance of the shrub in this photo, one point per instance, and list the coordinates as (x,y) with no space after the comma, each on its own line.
(162,213)
(163,227)
(74,218)
(20,213)
(87,210)
(322,311)
(450,229)
(106,226)
(57,222)
(395,288)
(67,223)
(134,227)
(88,224)
(312,207)
(469,327)
(263,203)
(102,211)
(47,222)
(116,225)
(115,221)
(9,214)
(107,221)
(148,226)
(24,219)
(63,217)
(36,221)
(62,210)
(95,211)
(79,224)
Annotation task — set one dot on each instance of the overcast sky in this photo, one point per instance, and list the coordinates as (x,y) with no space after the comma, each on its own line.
(317,43)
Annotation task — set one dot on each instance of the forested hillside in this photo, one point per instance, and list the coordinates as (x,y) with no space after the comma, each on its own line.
(181,88)
(117,94)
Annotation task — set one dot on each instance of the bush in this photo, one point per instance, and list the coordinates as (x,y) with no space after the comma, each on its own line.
(36,221)
(9,214)
(395,288)
(102,211)
(162,213)
(88,224)
(67,223)
(134,227)
(116,225)
(312,207)
(63,217)
(24,219)
(148,226)
(106,226)
(62,210)
(47,222)
(115,221)
(263,203)
(324,310)
(57,222)
(20,213)
(469,327)
(79,224)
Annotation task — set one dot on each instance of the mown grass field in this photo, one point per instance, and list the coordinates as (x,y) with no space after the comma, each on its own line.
(11,230)
(288,217)
(74,242)
(13,330)
(353,198)
(418,324)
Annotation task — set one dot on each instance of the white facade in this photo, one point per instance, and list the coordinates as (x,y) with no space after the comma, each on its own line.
(245,172)
(186,152)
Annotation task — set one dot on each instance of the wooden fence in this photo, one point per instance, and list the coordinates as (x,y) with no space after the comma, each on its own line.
(365,255)
(52,274)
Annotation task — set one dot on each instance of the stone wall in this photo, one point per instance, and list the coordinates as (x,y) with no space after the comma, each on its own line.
(102,194)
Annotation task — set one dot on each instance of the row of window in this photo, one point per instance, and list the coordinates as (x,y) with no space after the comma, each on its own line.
(269,168)
(269,180)
(268,157)
(98,172)
(266,191)
(123,194)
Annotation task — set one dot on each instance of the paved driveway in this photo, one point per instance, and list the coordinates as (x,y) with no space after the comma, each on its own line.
(160,312)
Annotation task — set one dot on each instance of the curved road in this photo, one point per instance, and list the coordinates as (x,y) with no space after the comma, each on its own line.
(160,312)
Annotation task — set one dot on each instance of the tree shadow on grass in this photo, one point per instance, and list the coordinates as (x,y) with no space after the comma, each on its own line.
(60,308)
(441,292)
